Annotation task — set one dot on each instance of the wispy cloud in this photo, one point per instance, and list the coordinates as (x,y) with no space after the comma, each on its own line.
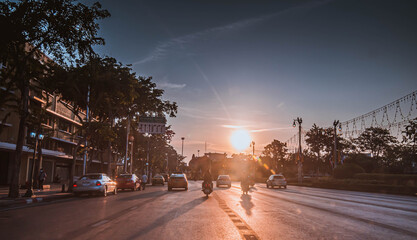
(163,48)
(171,85)
(233,126)
(269,129)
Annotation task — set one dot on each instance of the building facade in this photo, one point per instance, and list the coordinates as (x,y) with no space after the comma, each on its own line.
(61,135)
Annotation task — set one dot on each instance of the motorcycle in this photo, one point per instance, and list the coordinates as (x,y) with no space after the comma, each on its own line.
(245,188)
(207,189)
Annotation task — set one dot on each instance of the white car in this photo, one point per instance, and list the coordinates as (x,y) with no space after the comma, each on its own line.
(276,180)
(223,180)
(94,183)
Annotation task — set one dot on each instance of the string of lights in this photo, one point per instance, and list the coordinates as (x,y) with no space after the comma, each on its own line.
(389,116)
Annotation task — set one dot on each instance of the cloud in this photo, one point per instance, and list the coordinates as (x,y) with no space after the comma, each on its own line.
(163,48)
(280,105)
(233,126)
(269,129)
(171,85)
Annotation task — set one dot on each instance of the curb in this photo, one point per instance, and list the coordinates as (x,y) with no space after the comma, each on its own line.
(25,201)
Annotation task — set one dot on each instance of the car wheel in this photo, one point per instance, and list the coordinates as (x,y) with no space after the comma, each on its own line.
(230,185)
(169,189)
(186,189)
(115,191)
(285,186)
(104,193)
(77,194)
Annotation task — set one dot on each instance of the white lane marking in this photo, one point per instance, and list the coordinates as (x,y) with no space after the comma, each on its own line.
(29,200)
(133,208)
(100,223)
(39,199)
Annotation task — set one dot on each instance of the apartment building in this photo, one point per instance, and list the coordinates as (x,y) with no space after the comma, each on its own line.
(60,130)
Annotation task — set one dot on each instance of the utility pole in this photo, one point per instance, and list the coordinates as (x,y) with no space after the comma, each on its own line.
(335,124)
(36,136)
(253,150)
(198,153)
(127,141)
(300,163)
(182,151)
(147,160)
(131,157)
(182,147)
(86,142)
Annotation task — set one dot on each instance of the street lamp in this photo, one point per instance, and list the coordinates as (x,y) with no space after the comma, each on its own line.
(253,148)
(299,121)
(336,123)
(182,146)
(36,136)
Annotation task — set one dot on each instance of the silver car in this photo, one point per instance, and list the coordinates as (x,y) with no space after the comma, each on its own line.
(223,180)
(95,183)
(276,180)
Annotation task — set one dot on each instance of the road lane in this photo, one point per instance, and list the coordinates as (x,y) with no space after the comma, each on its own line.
(293,213)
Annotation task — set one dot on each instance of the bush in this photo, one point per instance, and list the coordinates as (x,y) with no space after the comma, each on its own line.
(347,170)
(393,179)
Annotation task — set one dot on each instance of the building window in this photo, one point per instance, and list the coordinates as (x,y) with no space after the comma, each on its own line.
(64,126)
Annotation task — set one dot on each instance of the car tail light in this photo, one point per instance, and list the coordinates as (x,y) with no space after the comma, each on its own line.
(74,185)
(98,183)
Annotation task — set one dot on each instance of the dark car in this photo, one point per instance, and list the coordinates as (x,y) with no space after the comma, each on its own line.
(158,179)
(128,181)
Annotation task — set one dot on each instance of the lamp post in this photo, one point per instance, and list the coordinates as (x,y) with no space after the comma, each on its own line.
(36,136)
(335,124)
(299,121)
(253,148)
(182,146)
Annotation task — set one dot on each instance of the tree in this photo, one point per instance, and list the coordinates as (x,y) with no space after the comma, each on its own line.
(376,140)
(63,30)
(316,139)
(277,151)
(410,134)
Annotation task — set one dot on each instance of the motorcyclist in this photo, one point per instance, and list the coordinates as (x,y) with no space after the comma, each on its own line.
(207,179)
(244,183)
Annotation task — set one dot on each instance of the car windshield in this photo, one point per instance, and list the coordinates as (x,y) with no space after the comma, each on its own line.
(224,178)
(92,177)
(278,177)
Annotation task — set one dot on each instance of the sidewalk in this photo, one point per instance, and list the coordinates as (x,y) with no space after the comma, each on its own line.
(51,192)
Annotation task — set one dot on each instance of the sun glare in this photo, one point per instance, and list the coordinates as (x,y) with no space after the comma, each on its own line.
(240,139)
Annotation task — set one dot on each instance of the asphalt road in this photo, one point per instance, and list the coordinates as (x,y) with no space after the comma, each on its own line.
(293,213)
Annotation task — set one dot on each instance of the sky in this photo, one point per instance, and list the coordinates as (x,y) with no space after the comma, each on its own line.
(257,65)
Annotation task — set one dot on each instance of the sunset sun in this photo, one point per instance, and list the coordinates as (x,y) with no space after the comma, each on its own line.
(240,139)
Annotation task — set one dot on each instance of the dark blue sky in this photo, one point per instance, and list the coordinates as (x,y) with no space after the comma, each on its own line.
(259,64)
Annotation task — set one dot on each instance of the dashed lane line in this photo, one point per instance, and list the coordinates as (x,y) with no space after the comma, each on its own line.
(245,231)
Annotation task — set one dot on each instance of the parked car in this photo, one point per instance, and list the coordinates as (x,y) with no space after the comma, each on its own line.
(95,183)
(223,180)
(178,180)
(158,179)
(128,181)
(276,180)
